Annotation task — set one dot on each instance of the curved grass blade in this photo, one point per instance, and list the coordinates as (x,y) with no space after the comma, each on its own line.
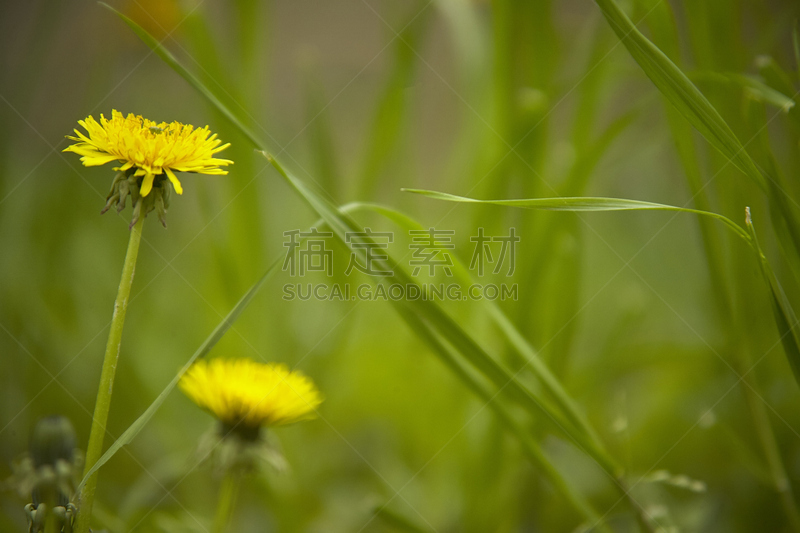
(202,351)
(785,318)
(757,89)
(774,75)
(585,203)
(435,316)
(665,35)
(518,341)
(680,91)
(690,102)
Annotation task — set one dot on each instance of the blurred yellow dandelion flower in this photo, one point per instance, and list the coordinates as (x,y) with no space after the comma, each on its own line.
(151,148)
(250,394)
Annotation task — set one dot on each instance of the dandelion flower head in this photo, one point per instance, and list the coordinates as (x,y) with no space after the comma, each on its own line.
(152,149)
(251,394)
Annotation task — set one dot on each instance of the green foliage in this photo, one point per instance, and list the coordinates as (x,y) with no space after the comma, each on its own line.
(680,91)
(641,358)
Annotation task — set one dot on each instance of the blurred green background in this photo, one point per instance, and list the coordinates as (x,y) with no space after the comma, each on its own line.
(500,99)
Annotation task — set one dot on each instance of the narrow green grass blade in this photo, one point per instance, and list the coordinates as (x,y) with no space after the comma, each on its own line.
(530,447)
(665,35)
(680,91)
(785,318)
(432,313)
(584,204)
(788,239)
(690,102)
(202,351)
(661,20)
(775,75)
(518,341)
(753,86)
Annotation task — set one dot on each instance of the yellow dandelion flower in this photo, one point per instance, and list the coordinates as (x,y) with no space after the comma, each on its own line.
(152,149)
(243,392)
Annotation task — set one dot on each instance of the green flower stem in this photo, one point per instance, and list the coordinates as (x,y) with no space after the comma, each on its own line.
(227,497)
(95,447)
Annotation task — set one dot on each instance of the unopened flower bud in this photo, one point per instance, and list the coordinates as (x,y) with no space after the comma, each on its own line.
(53,438)
(48,474)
